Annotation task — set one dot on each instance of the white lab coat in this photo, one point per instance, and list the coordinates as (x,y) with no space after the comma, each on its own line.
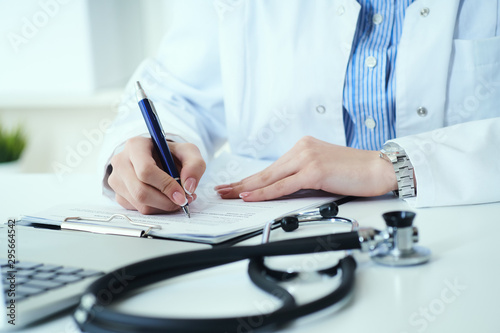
(263,74)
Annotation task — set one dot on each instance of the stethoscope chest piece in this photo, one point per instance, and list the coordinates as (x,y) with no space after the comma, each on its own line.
(400,236)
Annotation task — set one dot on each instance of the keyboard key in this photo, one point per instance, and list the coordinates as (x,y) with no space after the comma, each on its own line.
(6,269)
(43,275)
(67,278)
(28,291)
(17,298)
(19,281)
(69,270)
(24,273)
(27,265)
(48,268)
(89,272)
(42,284)
(5,262)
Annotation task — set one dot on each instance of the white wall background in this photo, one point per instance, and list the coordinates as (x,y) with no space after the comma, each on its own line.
(63,65)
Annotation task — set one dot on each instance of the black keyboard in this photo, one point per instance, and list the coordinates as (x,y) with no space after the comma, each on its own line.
(32,279)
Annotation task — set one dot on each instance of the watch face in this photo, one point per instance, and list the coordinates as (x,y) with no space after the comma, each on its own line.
(391,147)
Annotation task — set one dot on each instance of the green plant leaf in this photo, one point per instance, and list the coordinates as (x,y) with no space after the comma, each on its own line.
(12,144)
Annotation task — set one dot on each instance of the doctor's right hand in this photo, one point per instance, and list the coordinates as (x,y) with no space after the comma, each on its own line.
(140,183)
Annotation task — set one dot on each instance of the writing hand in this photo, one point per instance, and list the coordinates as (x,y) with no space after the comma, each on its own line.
(140,184)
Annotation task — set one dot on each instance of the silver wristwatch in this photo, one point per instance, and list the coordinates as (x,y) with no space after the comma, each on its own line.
(393,153)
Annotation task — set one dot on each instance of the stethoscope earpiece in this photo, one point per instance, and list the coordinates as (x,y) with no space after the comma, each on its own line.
(321,214)
(329,210)
(289,223)
(325,211)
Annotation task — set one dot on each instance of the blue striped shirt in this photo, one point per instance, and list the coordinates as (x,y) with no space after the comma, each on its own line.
(370,85)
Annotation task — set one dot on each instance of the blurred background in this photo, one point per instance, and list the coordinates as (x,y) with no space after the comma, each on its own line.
(63,66)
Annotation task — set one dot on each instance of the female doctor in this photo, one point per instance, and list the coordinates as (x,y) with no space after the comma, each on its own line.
(321,87)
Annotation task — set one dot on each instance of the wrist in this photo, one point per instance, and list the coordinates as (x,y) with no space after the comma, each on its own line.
(387,180)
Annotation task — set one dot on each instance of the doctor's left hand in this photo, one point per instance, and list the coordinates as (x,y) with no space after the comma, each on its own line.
(315,164)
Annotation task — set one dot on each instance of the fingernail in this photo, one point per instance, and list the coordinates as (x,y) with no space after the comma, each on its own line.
(219,187)
(243,195)
(190,185)
(225,190)
(179,199)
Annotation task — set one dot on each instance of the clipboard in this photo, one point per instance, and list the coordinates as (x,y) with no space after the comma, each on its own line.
(206,227)
(77,223)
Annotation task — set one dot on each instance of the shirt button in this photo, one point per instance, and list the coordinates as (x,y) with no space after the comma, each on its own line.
(377,19)
(371,62)
(424,12)
(320,109)
(340,10)
(421,111)
(370,123)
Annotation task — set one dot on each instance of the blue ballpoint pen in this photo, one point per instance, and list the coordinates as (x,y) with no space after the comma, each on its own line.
(157,134)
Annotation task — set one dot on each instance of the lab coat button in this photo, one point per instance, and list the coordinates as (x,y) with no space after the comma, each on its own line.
(421,111)
(320,109)
(377,18)
(370,123)
(424,12)
(371,62)
(340,10)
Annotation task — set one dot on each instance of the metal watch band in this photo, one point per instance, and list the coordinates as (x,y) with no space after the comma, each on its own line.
(404,175)
(403,168)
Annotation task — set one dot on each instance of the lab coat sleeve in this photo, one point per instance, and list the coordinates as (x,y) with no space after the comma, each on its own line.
(456,165)
(184,83)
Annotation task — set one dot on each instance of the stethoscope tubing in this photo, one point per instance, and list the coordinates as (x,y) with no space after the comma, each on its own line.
(184,263)
(100,318)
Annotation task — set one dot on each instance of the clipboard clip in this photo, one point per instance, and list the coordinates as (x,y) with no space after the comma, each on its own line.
(72,223)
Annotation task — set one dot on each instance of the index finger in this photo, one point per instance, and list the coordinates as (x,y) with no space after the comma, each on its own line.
(280,169)
(278,189)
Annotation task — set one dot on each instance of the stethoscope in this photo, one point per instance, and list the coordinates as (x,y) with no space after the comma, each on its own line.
(393,246)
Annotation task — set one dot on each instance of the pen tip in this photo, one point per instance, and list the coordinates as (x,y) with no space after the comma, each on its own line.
(186,210)
(138,85)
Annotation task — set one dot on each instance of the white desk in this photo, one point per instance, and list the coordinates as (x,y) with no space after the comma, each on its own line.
(457,291)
